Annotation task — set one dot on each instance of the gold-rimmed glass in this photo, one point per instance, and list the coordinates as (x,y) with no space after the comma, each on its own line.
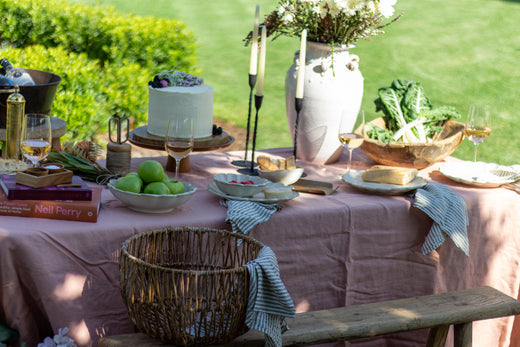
(36,137)
(478,125)
(179,139)
(348,138)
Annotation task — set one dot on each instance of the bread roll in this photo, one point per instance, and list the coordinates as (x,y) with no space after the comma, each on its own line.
(12,165)
(389,174)
(268,164)
(290,163)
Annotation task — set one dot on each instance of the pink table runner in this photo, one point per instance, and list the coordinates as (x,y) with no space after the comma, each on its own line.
(343,249)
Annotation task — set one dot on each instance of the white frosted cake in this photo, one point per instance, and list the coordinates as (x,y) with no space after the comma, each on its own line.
(178,93)
(196,101)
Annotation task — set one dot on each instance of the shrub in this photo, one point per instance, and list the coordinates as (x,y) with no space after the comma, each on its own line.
(101,33)
(87,95)
(79,99)
(105,59)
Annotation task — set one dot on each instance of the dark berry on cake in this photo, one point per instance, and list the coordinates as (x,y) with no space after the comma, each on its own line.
(217,130)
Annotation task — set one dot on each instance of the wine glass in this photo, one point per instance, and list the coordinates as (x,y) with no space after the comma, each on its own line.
(179,139)
(478,125)
(36,137)
(348,138)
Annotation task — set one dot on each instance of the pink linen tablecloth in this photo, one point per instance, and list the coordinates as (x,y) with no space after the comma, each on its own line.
(337,250)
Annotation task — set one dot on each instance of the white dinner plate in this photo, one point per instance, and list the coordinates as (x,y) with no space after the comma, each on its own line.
(354,178)
(480,174)
(260,197)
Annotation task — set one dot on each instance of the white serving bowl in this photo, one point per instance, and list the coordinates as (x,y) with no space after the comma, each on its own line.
(152,203)
(287,176)
(223,182)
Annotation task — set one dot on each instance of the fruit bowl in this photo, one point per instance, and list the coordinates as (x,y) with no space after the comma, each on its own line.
(230,184)
(152,203)
(287,176)
(414,155)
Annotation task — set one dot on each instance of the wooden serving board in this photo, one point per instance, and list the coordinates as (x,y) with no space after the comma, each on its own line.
(44,181)
(140,137)
(313,187)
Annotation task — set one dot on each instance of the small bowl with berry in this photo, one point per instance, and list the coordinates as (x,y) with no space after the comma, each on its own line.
(240,185)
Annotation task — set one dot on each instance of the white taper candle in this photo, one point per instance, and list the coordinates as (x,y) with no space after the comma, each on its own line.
(261,63)
(301,67)
(254,44)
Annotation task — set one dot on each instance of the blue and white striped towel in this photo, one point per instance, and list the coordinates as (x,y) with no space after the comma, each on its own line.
(245,215)
(269,302)
(449,213)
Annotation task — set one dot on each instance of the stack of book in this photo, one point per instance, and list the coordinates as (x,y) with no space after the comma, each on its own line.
(73,201)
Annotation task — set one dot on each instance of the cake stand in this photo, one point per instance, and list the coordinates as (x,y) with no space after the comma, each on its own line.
(141,138)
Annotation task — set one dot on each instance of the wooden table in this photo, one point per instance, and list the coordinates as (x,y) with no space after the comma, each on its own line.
(337,250)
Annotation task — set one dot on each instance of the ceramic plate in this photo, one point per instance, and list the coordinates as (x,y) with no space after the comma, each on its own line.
(479,174)
(260,197)
(354,178)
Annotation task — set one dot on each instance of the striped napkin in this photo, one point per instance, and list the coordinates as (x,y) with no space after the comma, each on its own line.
(269,302)
(449,213)
(245,215)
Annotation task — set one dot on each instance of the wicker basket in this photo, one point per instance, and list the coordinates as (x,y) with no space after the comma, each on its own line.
(187,286)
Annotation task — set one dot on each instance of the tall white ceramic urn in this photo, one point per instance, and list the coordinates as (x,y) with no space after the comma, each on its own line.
(333,89)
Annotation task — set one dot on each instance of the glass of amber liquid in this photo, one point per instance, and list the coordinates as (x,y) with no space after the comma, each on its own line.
(478,125)
(350,139)
(179,139)
(36,137)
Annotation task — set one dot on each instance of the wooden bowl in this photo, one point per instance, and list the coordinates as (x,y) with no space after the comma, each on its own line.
(414,155)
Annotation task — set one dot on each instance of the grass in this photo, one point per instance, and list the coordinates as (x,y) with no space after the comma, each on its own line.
(463,52)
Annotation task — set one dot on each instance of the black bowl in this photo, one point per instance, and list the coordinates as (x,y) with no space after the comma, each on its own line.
(38,98)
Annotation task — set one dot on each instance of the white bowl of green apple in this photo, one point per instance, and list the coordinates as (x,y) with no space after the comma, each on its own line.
(149,190)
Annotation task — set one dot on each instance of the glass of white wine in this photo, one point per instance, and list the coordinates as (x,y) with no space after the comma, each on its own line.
(179,139)
(350,139)
(478,125)
(36,137)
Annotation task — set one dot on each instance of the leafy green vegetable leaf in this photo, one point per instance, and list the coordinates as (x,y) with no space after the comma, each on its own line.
(409,114)
(378,133)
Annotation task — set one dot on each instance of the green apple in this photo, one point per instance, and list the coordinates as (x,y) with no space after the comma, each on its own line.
(158,188)
(130,183)
(150,171)
(175,187)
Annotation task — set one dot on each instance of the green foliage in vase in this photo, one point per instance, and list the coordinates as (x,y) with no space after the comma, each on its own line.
(335,22)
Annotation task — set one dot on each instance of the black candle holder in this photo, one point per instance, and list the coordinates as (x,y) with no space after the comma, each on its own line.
(298,104)
(251,169)
(245,162)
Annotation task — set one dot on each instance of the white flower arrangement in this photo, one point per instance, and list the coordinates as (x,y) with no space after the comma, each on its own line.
(335,22)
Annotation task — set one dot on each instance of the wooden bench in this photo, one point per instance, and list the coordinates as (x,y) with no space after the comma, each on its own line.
(437,312)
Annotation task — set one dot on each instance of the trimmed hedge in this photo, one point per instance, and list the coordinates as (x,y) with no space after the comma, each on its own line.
(101,33)
(87,95)
(105,59)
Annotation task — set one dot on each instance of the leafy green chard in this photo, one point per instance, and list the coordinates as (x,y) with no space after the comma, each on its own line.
(378,133)
(409,113)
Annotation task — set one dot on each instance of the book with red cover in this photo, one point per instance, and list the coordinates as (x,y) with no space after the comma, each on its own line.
(82,211)
(15,191)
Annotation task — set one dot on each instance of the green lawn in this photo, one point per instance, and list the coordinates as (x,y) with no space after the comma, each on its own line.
(463,52)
